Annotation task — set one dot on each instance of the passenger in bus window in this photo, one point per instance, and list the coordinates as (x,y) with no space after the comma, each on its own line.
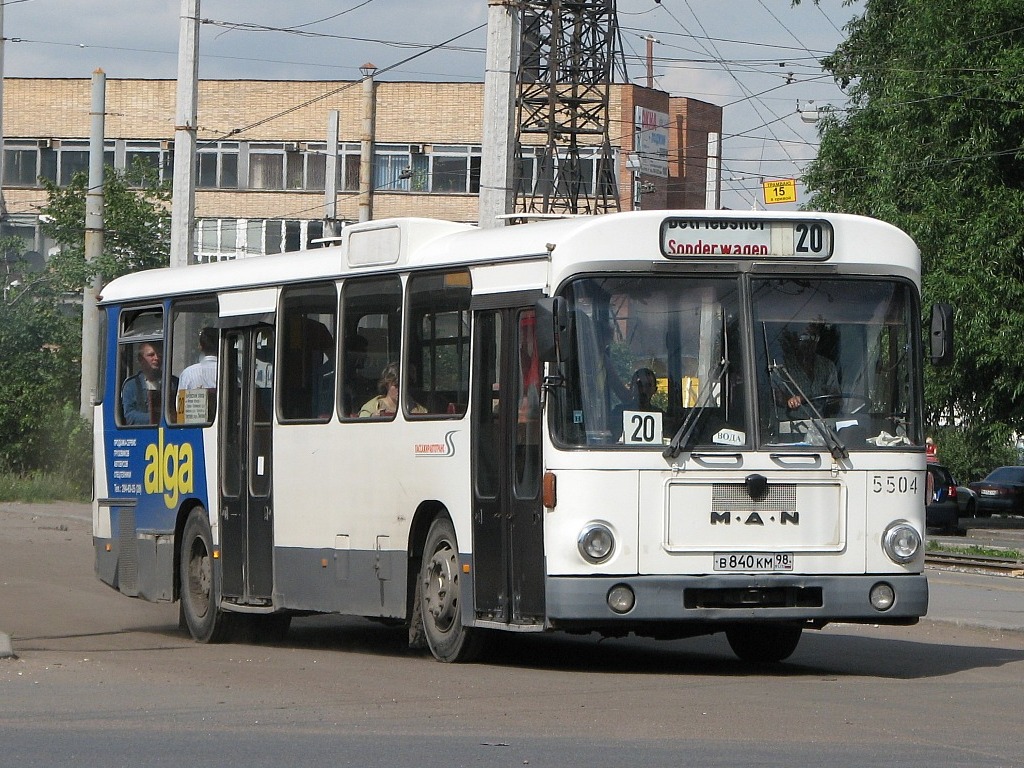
(356,347)
(202,375)
(814,374)
(140,394)
(385,405)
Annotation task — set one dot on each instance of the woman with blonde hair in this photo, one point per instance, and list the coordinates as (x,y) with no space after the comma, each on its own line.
(385,404)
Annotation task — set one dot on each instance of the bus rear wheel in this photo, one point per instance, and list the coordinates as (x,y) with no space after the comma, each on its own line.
(200,591)
(763,643)
(438,597)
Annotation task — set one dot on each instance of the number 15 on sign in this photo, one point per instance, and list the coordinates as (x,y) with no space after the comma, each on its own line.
(779,191)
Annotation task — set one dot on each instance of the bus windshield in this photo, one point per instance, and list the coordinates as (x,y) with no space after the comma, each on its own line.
(840,351)
(647,352)
(660,361)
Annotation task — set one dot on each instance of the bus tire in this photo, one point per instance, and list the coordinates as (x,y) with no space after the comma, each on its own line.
(763,643)
(200,591)
(438,597)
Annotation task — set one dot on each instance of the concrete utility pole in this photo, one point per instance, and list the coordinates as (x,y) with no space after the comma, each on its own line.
(497,163)
(3,203)
(331,177)
(93,246)
(183,192)
(366,145)
(712,182)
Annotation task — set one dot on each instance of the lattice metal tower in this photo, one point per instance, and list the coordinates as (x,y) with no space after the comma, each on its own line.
(567,52)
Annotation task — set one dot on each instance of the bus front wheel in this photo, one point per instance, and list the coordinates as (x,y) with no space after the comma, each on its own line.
(763,643)
(439,599)
(199,589)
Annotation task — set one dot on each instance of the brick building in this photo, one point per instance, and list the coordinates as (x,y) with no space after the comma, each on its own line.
(262,148)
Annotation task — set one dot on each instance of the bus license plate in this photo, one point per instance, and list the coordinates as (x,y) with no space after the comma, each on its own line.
(759,562)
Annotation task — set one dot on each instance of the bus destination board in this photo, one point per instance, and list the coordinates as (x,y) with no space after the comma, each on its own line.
(688,238)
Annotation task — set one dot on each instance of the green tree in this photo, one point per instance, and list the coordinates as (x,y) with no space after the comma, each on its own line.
(933,142)
(41,322)
(40,344)
(136,225)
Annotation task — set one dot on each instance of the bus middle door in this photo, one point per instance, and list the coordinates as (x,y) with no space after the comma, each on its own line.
(246,508)
(508,522)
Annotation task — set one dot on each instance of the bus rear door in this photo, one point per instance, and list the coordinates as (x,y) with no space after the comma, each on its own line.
(246,501)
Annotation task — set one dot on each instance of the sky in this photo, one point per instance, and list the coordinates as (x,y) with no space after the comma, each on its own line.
(759,59)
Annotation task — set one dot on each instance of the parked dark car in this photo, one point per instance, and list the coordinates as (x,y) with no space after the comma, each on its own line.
(1002,492)
(967,500)
(941,510)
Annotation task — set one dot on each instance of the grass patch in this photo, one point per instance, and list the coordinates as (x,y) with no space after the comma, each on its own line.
(40,488)
(974,550)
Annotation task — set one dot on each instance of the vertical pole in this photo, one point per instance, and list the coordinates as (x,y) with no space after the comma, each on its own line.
(183,193)
(93,247)
(366,144)
(331,177)
(497,163)
(712,183)
(650,60)
(3,204)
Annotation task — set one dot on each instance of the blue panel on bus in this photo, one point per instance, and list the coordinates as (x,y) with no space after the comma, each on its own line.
(159,467)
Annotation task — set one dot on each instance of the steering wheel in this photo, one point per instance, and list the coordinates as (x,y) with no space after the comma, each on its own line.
(820,401)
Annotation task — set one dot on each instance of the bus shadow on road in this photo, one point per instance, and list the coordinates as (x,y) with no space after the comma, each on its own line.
(841,651)
(845,652)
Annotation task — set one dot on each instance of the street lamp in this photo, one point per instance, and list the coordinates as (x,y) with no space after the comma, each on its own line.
(367,69)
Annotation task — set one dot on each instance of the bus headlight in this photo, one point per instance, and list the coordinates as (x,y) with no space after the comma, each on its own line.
(901,542)
(596,543)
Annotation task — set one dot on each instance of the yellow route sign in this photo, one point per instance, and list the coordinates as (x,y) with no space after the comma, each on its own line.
(779,191)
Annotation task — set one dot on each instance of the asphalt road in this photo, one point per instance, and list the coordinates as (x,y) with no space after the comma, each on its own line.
(101,679)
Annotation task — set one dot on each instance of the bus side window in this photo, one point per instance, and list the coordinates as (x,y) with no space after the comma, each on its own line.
(141,352)
(192,353)
(308,353)
(437,357)
(371,318)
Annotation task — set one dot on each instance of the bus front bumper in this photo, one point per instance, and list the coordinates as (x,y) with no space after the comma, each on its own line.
(818,600)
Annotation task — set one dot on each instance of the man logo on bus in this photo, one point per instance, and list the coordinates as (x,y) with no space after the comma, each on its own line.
(169,470)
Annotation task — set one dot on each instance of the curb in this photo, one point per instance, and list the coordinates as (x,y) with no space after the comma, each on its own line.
(6,651)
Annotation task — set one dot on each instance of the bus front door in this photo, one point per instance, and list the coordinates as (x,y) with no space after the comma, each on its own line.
(508,515)
(246,509)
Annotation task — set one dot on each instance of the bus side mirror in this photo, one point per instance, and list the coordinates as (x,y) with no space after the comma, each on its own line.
(552,329)
(942,334)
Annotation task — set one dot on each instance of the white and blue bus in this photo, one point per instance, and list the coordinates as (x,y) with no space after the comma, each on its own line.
(667,423)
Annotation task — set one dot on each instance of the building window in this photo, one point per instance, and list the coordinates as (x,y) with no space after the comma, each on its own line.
(266,166)
(217,165)
(21,166)
(349,155)
(226,239)
(392,168)
(156,155)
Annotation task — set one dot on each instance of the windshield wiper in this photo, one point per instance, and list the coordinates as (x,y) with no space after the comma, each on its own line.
(828,434)
(681,440)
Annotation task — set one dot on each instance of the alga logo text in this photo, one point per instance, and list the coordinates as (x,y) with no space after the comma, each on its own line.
(169,470)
